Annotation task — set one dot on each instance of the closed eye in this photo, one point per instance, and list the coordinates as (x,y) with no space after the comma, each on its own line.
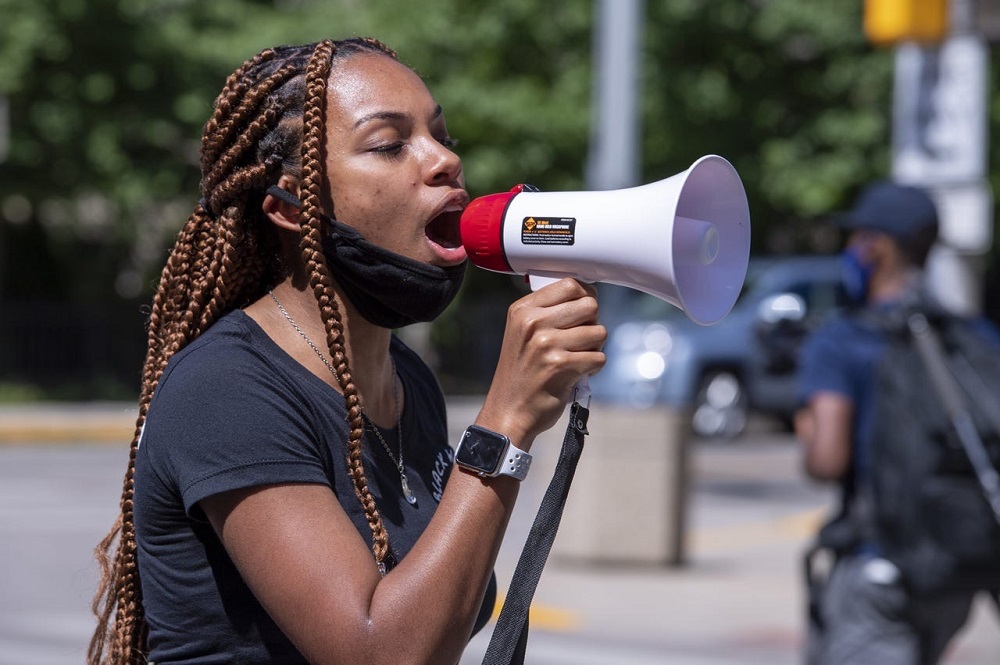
(395,149)
(389,151)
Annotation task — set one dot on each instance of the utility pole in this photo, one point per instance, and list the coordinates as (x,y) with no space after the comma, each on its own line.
(616,128)
(4,149)
(614,163)
(614,158)
(939,130)
(948,115)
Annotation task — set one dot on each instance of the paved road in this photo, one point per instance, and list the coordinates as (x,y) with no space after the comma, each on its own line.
(735,600)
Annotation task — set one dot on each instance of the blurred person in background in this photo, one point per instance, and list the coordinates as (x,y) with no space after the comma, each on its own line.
(289,496)
(863,613)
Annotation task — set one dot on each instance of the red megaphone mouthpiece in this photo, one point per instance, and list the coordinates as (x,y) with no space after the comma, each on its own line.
(482,230)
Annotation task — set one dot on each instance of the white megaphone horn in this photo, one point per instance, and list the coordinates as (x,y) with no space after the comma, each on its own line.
(684,239)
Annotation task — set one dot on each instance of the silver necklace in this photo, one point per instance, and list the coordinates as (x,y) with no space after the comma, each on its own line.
(369,425)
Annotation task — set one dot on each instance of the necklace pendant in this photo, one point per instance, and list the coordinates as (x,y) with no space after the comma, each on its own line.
(407,493)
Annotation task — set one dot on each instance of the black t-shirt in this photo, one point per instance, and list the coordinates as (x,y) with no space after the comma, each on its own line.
(233,410)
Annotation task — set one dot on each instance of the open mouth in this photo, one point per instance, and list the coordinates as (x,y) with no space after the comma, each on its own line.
(445,230)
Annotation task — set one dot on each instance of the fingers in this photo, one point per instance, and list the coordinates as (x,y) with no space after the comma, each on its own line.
(552,340)
(562,305)
(566,289)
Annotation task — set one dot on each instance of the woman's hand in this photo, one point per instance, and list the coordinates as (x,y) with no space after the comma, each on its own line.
(552,340)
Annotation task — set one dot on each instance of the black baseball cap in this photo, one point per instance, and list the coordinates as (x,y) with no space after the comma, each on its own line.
(900,211)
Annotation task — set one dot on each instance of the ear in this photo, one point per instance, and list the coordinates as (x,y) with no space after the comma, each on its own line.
(884,245)
(283,214)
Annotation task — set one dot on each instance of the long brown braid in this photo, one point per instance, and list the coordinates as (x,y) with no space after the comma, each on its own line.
(268,121)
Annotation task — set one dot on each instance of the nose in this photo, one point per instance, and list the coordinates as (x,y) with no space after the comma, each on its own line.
(445,166)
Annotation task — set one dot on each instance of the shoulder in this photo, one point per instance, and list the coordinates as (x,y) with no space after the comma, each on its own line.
(231,406)
(234,368)
(839,355)
(229,346)
(839,334)
(236,360)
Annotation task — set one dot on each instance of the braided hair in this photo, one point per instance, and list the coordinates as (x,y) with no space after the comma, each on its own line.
(269,121)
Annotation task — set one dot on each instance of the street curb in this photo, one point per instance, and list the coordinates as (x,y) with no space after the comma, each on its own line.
(69,435)
(113,423)
(67,423)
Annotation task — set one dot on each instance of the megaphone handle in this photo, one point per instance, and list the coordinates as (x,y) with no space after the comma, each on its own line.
(537,281)
(582,390)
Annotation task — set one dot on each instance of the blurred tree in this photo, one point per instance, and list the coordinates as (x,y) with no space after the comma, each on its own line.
(788,90)
(107,99)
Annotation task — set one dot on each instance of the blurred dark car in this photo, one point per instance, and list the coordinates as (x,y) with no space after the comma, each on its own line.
(745,363)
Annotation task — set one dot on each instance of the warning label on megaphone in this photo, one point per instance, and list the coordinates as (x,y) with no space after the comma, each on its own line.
(548,231)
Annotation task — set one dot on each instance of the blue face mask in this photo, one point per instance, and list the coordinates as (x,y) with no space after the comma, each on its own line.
(855,275)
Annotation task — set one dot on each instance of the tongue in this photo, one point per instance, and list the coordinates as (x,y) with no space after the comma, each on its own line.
(444,230)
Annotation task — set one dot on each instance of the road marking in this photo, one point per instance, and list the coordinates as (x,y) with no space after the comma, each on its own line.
(714,540)
(797,526)
(544,617)
(59,434)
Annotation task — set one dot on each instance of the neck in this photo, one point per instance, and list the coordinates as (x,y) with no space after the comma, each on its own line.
(366,347)
(892,285)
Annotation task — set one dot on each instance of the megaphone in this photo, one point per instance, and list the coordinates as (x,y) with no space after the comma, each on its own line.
(684,239)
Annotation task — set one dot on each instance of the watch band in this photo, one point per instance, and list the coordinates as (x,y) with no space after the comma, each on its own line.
(516,463)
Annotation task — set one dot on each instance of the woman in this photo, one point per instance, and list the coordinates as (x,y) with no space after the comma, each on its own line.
(289,496)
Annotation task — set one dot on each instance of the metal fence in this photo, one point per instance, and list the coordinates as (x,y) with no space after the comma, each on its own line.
(95,351)
(76,350)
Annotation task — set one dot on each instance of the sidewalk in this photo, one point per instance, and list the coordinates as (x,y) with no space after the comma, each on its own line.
(736,600)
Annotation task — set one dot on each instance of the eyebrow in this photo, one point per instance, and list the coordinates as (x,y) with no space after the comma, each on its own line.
(393,115)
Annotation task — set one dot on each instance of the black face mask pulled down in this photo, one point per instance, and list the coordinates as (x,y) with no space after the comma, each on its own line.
(388,289)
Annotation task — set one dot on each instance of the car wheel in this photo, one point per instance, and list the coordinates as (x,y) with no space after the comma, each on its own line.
(720,408)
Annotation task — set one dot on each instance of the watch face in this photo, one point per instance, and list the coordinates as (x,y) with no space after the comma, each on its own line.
(482,451)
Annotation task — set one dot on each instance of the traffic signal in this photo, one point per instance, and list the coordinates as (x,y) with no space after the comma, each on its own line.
(888,22)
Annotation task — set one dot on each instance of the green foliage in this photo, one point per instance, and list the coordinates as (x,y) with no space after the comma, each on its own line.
(107,100)
(787,90)
(19,393)
(514,78)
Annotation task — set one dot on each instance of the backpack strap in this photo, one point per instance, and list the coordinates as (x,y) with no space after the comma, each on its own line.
(946,385)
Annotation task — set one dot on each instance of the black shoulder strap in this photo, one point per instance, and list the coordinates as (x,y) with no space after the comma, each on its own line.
(950,393)
(510,637)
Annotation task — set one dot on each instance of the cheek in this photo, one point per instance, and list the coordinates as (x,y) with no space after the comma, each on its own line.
(381,216)
(381,207)
(388,203)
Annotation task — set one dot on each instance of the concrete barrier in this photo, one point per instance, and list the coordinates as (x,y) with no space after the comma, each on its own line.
(628,502)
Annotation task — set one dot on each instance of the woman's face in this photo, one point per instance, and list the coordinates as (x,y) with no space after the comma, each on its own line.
(391,173)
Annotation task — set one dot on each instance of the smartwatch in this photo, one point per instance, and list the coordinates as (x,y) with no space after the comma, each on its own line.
(489,454)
